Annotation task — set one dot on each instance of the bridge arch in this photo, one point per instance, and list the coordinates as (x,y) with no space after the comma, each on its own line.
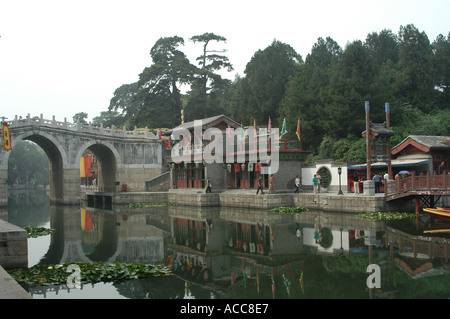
(108,159)
(56,155)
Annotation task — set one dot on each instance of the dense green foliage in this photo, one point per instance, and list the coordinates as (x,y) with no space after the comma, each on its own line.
(326,90)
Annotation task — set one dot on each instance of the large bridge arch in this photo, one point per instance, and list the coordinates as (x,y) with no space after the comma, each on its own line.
(56,155)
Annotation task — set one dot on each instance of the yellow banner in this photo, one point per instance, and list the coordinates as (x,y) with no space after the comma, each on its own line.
(6,139)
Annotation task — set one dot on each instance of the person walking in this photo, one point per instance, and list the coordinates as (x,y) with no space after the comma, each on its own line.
(297,184)
(316,184)
(260,186)
(208,185)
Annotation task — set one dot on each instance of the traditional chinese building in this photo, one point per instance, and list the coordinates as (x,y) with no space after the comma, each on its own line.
(249,155)
(433,149)
(193,172)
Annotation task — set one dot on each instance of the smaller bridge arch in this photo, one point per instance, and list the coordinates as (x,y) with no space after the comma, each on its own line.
(107,158)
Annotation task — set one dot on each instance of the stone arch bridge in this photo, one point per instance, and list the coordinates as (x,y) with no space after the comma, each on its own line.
(124,157)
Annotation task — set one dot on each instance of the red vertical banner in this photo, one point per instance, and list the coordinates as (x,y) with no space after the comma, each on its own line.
(87,166)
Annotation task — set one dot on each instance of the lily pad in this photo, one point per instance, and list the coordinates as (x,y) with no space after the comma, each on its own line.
(388,215)
(145,205)
(289,210)
(34,232)
(90,273)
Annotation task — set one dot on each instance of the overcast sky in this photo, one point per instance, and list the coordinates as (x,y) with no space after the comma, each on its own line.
(63,57)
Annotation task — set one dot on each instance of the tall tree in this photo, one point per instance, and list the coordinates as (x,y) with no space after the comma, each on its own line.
(441,69)
(264,85)
(124,99)
(80,118)
(383,47)
(109,118)
(161,82)
(208,84)
(414,82)
(308,92)
(349,88)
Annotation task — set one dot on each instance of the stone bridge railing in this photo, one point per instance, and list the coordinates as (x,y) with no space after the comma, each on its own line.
(82,128)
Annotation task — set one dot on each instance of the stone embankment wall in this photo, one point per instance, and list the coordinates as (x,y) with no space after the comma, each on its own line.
(13,246)
(326,202)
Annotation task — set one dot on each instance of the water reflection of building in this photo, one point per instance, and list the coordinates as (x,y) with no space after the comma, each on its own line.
(419,255)
(222,248)
(233,245)
(329,233)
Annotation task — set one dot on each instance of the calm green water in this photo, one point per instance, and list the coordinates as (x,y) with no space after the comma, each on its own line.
(236,253)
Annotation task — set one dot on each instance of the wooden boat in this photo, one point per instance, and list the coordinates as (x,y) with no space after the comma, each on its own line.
(438,213)
(439,228)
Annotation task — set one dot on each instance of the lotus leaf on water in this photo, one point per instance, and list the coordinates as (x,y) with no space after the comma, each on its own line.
(145,205)
(388,215)
(34,232)
(89,272)
(289,210)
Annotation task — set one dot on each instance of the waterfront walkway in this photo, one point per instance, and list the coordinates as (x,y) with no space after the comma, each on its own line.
(328,201)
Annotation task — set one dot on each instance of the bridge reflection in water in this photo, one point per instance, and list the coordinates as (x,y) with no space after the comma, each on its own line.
(241,253)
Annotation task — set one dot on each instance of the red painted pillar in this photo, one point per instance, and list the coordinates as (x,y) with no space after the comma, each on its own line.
(388,126)
(368,136)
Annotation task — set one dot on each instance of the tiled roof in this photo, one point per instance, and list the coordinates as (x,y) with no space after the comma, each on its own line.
(206,122)
(430,141)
